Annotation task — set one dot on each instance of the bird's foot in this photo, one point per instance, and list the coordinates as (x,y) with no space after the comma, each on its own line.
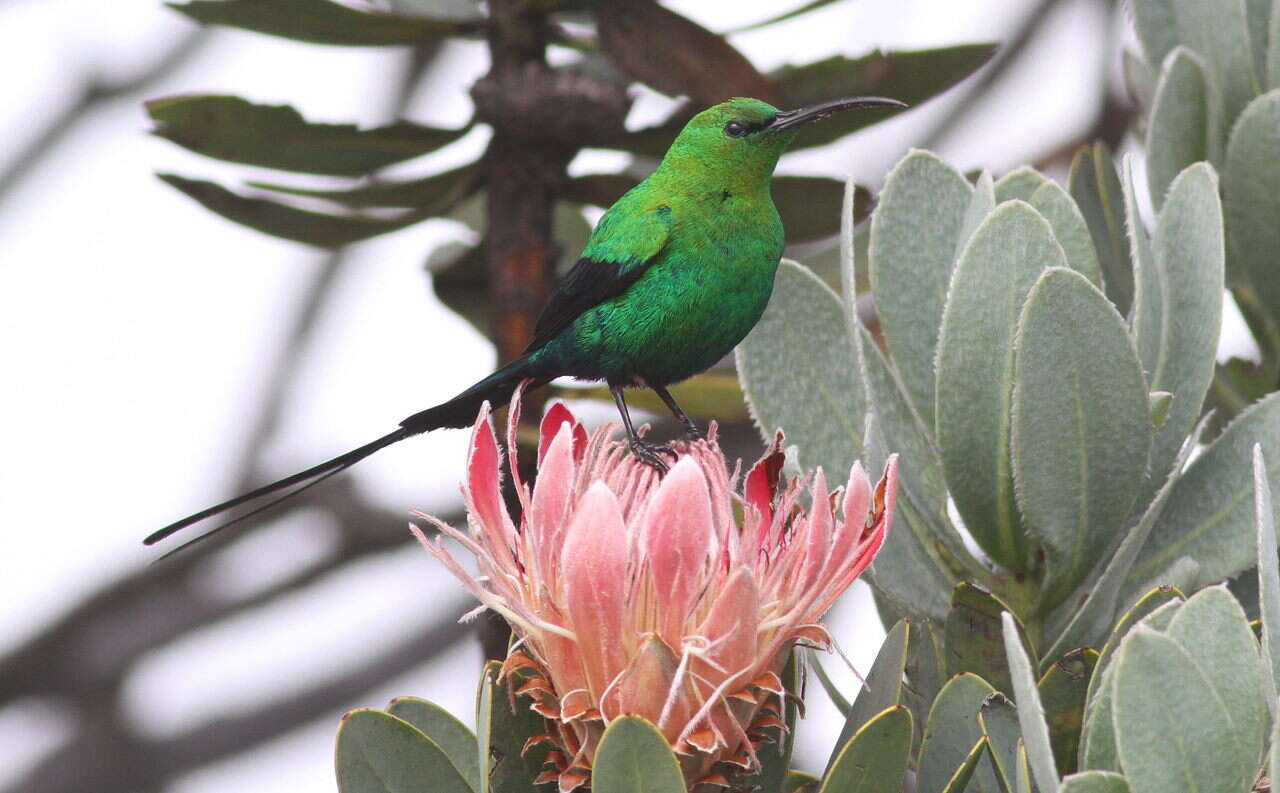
(651,454)
(692,433)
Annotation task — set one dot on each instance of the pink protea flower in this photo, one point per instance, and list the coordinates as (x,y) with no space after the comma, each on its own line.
(635,594)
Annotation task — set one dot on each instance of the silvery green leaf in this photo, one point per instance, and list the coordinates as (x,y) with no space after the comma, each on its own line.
(981,204)
(1157,27)
(1268,572)
(1209,516)
(1094,782)
(1160,402)
(1095,187)
(1219,33)
(1251,200)
(951,733)
(1070,229)
(1139,76)
(1257,20)
(633,757)
(1183,124)
(1003,259)
(912,253)
(1213,629)
(816,397)
(1035,731)
(1180,318)
(1273,49)
(1173,732)
(1019,184)
(1081,425)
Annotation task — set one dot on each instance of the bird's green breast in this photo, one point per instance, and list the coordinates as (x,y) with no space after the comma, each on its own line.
(698,299)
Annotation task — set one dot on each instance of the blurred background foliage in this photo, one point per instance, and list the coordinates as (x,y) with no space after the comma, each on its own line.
(613,79)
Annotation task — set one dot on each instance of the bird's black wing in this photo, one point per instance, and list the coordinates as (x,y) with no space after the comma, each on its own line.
(625,242)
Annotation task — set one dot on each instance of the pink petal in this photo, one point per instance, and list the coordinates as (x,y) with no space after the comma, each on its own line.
(818,530)
(731,626)
(762,481)
(857,499)
(594,567)
(556,416)
(677,538)
(552,494)
(646,686)
(484,487)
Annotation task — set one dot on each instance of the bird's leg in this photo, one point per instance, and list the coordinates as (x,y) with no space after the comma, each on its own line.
(690,429)
(647,453)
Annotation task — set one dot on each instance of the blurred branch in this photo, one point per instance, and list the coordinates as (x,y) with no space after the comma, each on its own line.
(95,93)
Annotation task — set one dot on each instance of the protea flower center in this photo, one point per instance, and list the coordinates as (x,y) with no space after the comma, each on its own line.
(638,594)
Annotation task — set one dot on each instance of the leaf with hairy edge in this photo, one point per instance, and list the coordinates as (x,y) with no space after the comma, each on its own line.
(1094,782)
(1173,733)
(1209,516)
(633,757)
(817,397)
(975,372)
(1035,731)
(326,22)
(1184,124)
(277,136)
(675,55)
(1020,184)
(286,222)
(883,689)
(378,753)
(1268,573)
(1069,229)
(810,206)
(1215,632)
(914,232)
(1081,426)
(1062,691)
(435,194)
(1219,33)
(950,735)
(445,730)
(875,758)
(484,721)
(1094,185)
(1251,201)
(1157,27)
(974,639)
(981,204)
(999,720)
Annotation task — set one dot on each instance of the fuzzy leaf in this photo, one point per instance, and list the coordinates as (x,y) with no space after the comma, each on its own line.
(951,736)
(1268,572)
(914,233)
(1095,186)
(326,22)
(277,136)
(1251,201)
(975,372)
(1219,33)
(1094,782)
(884,687)
(1081,425)
(1157,27)
(633,757)
(1020,184)
(1173,733)
(875,758)
(981,204)
(1070,229)
(442,727)
(1183,125)
(378,753)
(1031,717)
(816,397)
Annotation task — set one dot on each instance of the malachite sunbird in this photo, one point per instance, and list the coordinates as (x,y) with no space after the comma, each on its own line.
(674,275)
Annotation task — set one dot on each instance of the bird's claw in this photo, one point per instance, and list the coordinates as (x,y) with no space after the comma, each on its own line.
(651,454)
(691,432)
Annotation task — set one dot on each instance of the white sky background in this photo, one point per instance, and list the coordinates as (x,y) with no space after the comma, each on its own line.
(136,328)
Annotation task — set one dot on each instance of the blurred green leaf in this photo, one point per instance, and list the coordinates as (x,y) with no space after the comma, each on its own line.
(999,721)
(442,727)
(1273,49)
(1094,782)
(1020,184)
(1172,732)
(1157,27)
(883,689)
(1081,426)
(675,55)
(1069,229)
(911,262)
(799,782)
(633,757)
(434,195)
(1251,200)
(1031,716)
(1062,692)
(1139,77)
(1095,186)
(1209,516)
(287,222)
(1182,117)
(976,372)
(812,5)
(817,397)
(1215,632)
(875,759)
(1268,574)
(1219,33)
(952,735)
(911,76)
(1236,385)
(277,136)
(378,753)
(975,641)
(326,22)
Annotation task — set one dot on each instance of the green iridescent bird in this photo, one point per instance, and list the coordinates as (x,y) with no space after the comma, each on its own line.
(676,273)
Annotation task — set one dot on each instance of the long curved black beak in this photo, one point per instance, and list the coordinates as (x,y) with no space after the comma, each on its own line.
(794,118)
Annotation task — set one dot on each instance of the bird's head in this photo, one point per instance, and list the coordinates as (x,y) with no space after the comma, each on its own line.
(747,136)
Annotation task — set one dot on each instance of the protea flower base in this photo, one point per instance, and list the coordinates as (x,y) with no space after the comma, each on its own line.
(632,593)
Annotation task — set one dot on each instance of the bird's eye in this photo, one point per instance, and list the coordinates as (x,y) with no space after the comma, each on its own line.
(735,129)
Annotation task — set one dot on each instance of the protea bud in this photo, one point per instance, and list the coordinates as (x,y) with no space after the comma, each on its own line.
(638,594)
